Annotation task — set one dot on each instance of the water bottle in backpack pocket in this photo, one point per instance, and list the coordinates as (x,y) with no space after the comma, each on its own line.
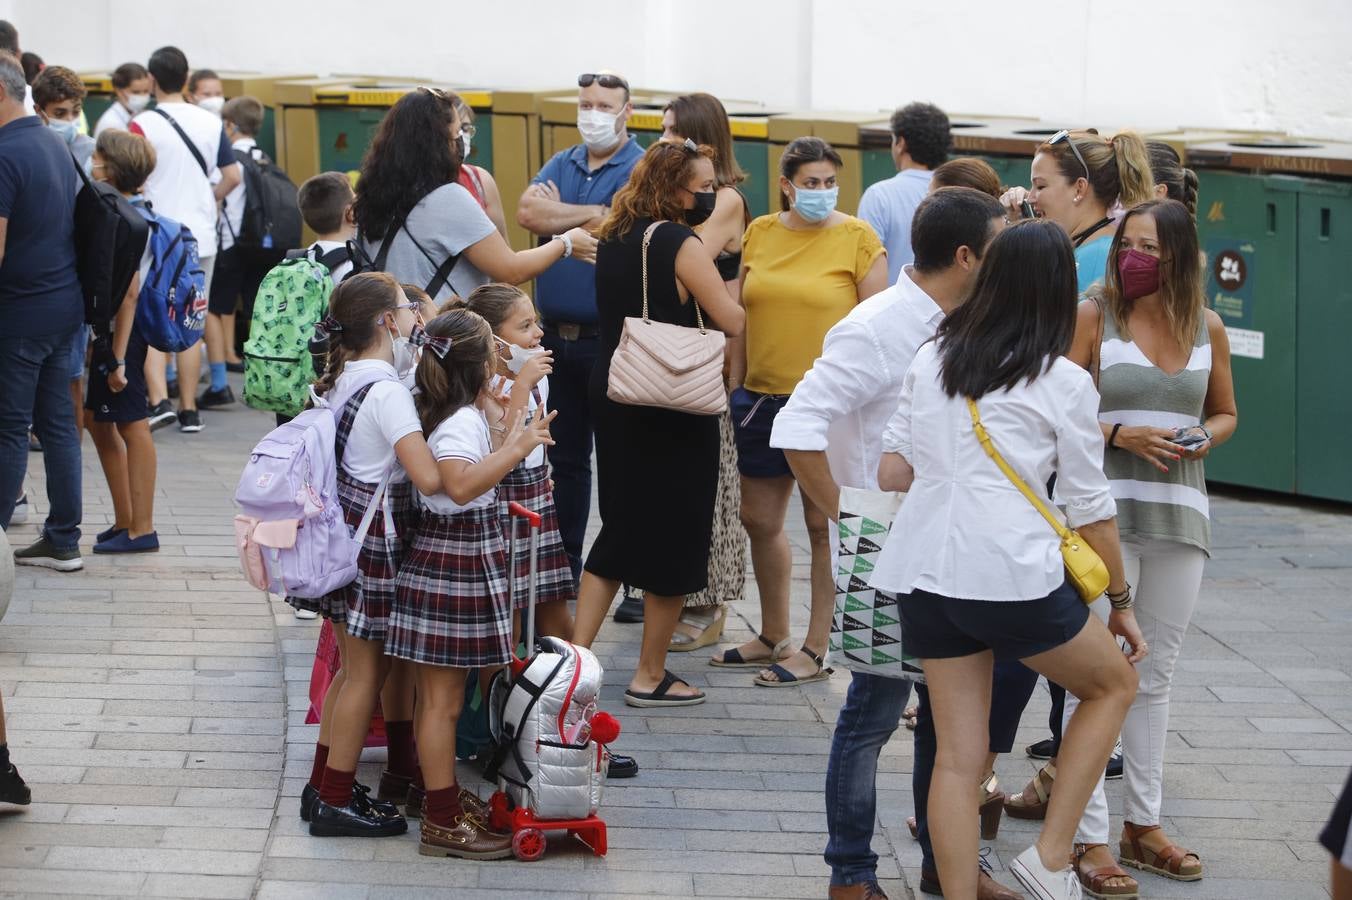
(171,311)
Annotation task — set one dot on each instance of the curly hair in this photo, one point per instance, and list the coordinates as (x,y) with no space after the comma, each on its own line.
(57,83)
(446,384)
(411,156)
(924,128)
(653,190)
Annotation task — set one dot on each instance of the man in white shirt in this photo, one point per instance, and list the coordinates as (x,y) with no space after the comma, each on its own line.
(190,150)
(831,431)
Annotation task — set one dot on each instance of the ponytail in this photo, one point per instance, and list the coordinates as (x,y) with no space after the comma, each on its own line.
(1189,198)
(1135,182)
(1166,167)
(446,384)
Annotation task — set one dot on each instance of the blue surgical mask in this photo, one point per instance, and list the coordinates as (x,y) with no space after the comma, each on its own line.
(67,130)
(815,205)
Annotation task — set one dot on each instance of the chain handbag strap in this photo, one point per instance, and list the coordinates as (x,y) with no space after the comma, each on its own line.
(647,238)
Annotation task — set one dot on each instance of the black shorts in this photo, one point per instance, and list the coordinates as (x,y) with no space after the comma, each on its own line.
(1337,834)
(128,404)
(935,627)
(753,417)
(235,281)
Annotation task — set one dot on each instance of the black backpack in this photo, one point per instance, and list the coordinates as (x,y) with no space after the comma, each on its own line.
(110,237)
(272,218)
(361,262)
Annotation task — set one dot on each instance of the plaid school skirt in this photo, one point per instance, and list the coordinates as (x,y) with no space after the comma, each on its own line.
(365,603)
(554,577)
(451,605)
(406,512)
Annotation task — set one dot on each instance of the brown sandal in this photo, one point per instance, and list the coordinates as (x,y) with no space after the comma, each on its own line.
(1171,862)
(1042,783)
(989,807)
(1094,881)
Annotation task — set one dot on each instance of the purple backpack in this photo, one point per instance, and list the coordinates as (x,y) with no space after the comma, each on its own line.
(291,535)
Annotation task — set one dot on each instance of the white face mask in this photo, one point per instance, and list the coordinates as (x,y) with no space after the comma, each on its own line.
(597,129)
(137,102)
(213,105)
(521,356)
(67,130)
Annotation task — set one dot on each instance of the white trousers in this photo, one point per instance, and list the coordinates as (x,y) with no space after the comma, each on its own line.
(1166,577)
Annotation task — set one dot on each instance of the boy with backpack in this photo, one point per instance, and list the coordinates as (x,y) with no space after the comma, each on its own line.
(258,223)
(278,368)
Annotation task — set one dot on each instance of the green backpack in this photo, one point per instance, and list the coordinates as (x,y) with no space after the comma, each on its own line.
(278,369)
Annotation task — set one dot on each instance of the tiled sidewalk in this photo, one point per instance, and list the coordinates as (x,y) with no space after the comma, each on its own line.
(156,706)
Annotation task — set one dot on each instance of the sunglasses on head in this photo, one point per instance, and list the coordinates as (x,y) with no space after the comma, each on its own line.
(605,79)
(1064,135)
(435,92)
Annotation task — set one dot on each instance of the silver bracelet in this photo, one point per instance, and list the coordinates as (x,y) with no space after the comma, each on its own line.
(567,244)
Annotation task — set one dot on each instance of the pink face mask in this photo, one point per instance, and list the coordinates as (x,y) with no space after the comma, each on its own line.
(1139,273)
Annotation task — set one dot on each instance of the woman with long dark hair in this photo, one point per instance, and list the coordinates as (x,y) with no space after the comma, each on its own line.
(989,582)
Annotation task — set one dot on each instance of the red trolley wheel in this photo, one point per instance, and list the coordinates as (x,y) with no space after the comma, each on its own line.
(528,844)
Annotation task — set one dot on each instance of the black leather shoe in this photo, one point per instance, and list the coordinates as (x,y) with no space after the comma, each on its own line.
(630,611)
(621,766)
(351,821)
(13,789)
(1041,750)
(362,800)
(1114,769)
(308,796)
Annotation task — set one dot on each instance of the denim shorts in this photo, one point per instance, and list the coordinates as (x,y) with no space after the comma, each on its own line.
(936,627)
(79,344)
(753,416)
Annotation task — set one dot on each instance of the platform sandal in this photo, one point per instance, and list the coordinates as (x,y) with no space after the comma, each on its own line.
(1095,881)
(733,659)
(990,806)
(1019,807)
(1171,862)
(784,678)
(708,632)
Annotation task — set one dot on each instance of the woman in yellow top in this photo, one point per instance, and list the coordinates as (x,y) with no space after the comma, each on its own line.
(803,270)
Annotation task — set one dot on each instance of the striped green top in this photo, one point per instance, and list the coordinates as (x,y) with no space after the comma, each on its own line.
(1134,391)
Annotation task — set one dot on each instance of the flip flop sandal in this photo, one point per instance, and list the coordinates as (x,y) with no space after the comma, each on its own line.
(1094,881)
(659,697)
(784,678)
(1019,808)
(1169,862)
(710,633)
(733,659)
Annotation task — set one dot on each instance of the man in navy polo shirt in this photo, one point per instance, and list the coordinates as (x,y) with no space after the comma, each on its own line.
(574,189)
(41,306)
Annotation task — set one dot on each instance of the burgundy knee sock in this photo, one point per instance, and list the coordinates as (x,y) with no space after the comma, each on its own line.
(317,770)
(443,806)
(337,787)
(403,755)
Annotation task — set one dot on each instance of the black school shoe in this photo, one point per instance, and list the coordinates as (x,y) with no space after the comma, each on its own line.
(1041,750)
(360,798)
(630,611)
(213,399)
(357,819)
(13,789)
(620,766)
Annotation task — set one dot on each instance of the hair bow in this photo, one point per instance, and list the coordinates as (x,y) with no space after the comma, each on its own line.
(438,345)
(327,326)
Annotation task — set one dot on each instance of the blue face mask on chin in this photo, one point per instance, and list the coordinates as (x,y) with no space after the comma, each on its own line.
(67,130)
(815,205)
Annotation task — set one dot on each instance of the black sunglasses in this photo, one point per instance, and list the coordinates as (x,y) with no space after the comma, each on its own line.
(1064,135)
(605,79)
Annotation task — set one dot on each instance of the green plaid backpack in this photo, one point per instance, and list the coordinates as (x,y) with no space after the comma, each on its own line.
(278,369)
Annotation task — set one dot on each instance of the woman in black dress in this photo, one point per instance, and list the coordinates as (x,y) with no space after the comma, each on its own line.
(657,469)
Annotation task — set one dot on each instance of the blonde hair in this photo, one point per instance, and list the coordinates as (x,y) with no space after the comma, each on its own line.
(1119,169)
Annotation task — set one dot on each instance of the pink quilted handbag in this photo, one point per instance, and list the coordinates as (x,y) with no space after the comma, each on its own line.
(668,366)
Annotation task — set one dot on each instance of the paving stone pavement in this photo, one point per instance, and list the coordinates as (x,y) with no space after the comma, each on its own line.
(156,705)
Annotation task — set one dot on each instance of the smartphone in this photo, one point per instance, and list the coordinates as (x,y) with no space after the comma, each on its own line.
(1187,439)
(1027,209)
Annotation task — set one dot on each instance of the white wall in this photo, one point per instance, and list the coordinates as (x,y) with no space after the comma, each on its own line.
(1154,63)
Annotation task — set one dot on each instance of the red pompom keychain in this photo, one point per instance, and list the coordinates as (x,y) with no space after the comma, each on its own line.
(605,728)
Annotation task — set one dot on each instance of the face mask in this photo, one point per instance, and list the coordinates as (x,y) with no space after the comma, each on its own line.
(213,105)
(597,129)
(137,102)
(405,354)
(521,356)
(464,147)
(1139,272)
(816,205)
(703,208)
(67,130)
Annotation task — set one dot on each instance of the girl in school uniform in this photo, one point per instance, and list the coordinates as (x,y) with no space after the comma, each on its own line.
(521,383)
(367,327)
(452,612)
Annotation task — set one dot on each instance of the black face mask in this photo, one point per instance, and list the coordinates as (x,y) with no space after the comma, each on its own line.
(703,208)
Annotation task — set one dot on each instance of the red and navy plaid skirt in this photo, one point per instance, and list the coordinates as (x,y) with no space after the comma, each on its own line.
(554,577)
(451,605)
(406,511)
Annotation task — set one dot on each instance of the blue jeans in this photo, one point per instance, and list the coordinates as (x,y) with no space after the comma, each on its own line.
(570,457)
(35,388)
(1012,686)
(871,713)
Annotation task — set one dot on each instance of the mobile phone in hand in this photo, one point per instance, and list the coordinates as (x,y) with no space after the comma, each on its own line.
(1188,438)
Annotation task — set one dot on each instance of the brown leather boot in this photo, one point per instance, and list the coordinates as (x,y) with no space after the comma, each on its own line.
(867,891)
(987,888)
(469,838)
(414,798)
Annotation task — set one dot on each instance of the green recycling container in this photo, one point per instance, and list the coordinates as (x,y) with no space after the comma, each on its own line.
(1279,272)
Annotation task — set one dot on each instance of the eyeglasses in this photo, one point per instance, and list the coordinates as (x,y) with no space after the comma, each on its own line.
(467,130)
(690,146)
(411,306)
(605,79)
(1064,135)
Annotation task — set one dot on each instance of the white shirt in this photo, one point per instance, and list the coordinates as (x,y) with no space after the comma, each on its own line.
(177,188)
(339,272)
(232,215)
(28,107)
(844,401)
(499,384)
(116,117)
(386,415)
(464,435)
(964,530)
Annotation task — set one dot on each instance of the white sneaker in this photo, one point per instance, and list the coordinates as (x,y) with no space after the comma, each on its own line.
(1043,883)
(20,514)
(306,614)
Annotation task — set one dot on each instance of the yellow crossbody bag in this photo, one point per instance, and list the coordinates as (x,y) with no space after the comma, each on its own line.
(1084,567)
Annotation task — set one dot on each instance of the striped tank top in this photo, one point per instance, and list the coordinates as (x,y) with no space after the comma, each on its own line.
(1134,391)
